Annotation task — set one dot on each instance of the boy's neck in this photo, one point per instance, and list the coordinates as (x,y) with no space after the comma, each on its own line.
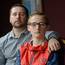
(37,42)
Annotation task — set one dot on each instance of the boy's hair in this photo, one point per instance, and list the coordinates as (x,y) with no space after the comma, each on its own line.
(41,14)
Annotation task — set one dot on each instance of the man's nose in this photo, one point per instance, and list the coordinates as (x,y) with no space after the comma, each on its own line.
(18,16)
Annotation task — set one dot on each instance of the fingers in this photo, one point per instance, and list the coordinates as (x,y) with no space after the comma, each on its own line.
(57,46)
(53,45)
(49,49)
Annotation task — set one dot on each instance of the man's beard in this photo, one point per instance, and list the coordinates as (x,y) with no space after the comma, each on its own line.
(19,26)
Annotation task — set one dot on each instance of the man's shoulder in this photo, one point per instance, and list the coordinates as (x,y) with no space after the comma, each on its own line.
(3,38)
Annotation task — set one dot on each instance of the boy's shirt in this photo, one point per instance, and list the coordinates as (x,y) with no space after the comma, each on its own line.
(30,55)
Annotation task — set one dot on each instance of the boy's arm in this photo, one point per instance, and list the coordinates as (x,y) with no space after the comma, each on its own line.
(53,59)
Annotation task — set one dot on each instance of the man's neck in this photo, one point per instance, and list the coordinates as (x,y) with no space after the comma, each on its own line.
(17,31)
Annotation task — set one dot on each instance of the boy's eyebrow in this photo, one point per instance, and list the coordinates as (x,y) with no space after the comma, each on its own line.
(36,22)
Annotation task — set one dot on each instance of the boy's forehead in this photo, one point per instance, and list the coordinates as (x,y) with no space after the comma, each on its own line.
(36,18)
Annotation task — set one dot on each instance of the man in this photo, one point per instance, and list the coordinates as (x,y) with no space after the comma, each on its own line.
(10,43)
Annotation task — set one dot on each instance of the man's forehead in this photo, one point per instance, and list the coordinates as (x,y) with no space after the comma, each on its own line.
(18,8)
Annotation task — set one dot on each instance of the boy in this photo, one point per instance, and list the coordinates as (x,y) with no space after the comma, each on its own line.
(36,52)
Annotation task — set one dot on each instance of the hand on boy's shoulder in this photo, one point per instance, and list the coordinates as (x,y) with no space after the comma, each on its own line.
(53,44)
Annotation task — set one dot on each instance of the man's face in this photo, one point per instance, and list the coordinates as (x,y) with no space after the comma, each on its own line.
(37,25)
(17,17)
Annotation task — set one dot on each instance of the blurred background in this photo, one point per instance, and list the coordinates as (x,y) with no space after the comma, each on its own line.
(54,9)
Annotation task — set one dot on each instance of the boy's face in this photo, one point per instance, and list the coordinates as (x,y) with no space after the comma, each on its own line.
(37,26)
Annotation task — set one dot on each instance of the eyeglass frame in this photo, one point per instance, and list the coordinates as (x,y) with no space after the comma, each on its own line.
(35,24)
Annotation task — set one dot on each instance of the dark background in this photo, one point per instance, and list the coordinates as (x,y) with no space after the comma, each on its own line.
(5,5)
(55,10)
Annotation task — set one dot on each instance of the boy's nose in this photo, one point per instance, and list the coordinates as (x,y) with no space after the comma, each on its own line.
(37,26)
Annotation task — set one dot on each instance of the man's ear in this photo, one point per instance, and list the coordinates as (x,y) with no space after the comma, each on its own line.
(10,19)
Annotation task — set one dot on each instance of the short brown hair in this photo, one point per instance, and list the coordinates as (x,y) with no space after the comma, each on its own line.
(20,5)
(41,14)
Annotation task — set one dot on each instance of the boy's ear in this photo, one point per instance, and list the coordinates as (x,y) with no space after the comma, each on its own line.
(28,27)
(48,27)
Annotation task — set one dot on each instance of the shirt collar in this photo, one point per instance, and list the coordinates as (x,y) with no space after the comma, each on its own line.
(11,34)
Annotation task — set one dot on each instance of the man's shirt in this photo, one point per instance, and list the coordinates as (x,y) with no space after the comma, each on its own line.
(9,46)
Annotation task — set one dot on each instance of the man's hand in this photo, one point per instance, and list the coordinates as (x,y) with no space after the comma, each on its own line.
(53,45)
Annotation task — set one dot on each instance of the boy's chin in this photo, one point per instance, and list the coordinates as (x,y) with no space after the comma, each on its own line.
(39,36)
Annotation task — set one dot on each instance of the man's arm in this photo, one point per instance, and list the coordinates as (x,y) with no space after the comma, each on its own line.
(53,43)
(2,58)
(51,34)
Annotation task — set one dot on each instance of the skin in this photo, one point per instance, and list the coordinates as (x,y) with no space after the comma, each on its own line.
(38,31)
(53,44)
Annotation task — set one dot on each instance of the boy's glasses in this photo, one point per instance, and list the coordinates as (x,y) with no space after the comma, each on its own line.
(35,24)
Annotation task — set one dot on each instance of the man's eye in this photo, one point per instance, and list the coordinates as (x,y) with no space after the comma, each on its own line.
(14,14)
(22,14)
